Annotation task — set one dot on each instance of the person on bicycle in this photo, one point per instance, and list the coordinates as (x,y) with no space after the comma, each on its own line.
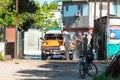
(85,46)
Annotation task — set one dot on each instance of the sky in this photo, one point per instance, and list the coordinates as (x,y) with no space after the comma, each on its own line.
(42,1)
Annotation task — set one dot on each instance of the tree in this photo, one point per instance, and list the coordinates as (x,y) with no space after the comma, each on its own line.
(45,3)
(53,5)
(4,15)
(5,12)
(30,13)
(43,16)
(27,9)
(4,4)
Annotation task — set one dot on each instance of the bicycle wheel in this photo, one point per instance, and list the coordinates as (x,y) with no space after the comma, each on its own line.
(82,71)
(92,69)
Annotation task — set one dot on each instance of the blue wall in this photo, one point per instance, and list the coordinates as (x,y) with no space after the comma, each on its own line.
(72,9)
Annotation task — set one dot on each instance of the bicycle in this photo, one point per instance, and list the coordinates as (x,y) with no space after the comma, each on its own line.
(114,65)
(86,66)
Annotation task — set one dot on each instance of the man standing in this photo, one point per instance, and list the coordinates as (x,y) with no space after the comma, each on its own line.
(78,51)
(66,43)
(89,39)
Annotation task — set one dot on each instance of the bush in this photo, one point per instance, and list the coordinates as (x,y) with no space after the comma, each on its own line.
(1,57)
(103,77)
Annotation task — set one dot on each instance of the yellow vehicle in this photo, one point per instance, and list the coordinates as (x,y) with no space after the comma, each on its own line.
(51,45)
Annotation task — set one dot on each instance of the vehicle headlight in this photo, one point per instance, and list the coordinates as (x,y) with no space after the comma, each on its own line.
(44,43)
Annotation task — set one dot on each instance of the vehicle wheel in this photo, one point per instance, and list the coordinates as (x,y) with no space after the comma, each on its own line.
(82,71)
(44,56)
(92,70)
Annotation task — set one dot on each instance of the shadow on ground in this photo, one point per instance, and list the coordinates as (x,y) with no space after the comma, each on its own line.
(53,70)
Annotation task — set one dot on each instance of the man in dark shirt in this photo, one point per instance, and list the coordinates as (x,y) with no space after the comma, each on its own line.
(66,43)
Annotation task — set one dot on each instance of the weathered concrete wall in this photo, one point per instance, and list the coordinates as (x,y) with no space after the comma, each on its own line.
(32,44)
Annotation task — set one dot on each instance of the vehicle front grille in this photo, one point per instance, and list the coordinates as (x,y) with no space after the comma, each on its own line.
(50,48)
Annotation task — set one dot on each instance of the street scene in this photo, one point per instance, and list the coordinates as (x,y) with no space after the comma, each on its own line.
(60,40)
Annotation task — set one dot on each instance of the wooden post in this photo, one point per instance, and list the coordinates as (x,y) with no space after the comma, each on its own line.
(15,55)
(94,9)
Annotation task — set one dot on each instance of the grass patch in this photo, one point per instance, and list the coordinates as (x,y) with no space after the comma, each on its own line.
(16,62)
(103,77)
(1,57)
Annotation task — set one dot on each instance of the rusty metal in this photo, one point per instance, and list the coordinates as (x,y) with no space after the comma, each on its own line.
(16,13)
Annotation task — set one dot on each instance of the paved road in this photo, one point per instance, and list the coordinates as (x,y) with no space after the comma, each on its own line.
(41,70)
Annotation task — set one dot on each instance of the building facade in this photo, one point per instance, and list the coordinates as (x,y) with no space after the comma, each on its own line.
(80,14)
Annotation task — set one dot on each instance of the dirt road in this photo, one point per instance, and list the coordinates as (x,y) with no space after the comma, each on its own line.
(41,70)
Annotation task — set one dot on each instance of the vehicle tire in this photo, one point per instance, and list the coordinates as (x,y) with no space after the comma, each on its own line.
(92,70)
(82,71)
(44,56)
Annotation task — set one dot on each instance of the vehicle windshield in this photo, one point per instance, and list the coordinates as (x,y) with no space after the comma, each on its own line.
(53,36)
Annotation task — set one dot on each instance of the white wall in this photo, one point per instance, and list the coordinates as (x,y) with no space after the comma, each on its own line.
(104,11)
(91,14)
(57,13)
(32,43)
(118,9)
(2,48)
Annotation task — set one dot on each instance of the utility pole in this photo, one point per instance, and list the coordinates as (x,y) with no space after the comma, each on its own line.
(94,9)
(108,11)
(100,8)
(108,23)
(15,55)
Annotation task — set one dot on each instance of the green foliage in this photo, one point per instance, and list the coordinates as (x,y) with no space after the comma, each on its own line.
(4,4)
(1,57)
(30,13)
(43,15)
(1,37)
(53,5)
(5,12)
(103,77)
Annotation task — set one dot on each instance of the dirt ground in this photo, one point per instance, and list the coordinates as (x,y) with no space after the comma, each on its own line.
(42,70)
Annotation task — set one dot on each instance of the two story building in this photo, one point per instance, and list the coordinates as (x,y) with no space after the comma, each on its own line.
(80,14)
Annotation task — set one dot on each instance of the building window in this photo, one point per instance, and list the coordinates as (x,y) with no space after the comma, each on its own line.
(66,8)
(79,7)
(85,9)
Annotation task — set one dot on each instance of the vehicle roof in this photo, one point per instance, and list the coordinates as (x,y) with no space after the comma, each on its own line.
(53,32)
